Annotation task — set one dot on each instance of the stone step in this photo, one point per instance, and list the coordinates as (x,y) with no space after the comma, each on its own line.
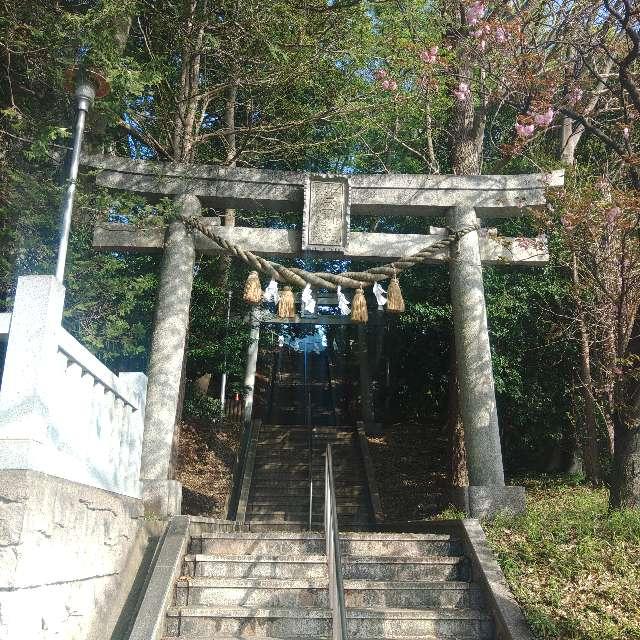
(268,592)
(461,624)
(406,545)
(255,566)
(357,525)
(287,481)
(289,449)
(279,504)
(252,592)
(394,569)
(346,518)
(295,492)
(412,595)
(258,543)
(255,622)
(274,428)
(263,525)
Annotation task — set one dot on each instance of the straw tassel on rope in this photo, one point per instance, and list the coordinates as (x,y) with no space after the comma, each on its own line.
(286,305)
(359,307)
(395,301)
(252,289)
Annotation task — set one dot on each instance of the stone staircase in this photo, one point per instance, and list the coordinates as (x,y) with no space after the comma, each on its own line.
(274,585)
(280,483)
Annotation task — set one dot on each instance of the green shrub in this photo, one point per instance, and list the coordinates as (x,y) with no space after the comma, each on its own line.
(203,408)
(572,564)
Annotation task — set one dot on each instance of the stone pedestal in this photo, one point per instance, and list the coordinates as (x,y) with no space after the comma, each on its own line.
(487,502)
(162,497)
(473,354)
(168,345)
(30,363)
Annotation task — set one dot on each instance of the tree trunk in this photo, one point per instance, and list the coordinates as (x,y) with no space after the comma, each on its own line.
(185,121)
(590,439)
(224,262)
(625,480)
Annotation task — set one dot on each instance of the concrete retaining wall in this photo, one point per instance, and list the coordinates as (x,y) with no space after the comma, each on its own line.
(69,555)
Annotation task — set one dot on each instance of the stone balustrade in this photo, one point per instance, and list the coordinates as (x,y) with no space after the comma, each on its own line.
(63,412)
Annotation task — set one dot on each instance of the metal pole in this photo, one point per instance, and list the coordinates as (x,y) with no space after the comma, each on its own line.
(85,93)
(223,383)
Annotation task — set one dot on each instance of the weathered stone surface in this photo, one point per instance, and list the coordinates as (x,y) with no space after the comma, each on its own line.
(325,218)
(162,497)
(27,393)
(168,343)
(68,556)
(285,242)
(379,195)
(473,355)
(62,412)
(509,621)
(150,621)
(488,501)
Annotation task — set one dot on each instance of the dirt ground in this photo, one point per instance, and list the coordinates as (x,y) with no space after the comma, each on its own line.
(205,467)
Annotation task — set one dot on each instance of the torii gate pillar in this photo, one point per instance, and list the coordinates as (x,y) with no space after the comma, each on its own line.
(486,493)
(162,494)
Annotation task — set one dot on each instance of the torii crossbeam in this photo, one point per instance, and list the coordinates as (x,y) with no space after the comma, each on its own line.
(326,203)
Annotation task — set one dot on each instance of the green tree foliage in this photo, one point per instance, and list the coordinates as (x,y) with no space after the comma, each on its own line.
(280,85)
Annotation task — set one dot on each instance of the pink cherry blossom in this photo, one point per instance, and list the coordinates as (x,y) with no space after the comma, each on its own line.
(575,95)
(544,119)
(380,74)
(385,84)
(478,33)
(501,35)
(393,85)
(462,93)
(430,55)
(525,130)
(475,12)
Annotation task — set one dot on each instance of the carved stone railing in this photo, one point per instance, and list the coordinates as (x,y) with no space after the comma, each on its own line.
(63,412)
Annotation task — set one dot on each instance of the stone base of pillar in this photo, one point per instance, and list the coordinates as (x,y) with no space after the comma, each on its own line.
(488,501)
(162,498)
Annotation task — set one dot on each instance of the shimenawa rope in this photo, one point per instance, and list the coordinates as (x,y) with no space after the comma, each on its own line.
(322,280)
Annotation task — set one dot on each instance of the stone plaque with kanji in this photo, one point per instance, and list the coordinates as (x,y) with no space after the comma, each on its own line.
(326,214)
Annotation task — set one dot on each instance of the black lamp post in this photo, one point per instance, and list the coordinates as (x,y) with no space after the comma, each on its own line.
(87,85)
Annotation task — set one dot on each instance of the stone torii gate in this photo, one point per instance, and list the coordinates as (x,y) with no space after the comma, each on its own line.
(327,203)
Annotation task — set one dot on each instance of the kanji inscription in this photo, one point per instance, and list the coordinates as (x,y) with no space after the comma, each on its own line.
(326,215)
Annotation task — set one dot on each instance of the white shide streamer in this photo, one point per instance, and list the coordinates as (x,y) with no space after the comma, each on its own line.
(307,299)
(379,293)
(343,303)
(271,293)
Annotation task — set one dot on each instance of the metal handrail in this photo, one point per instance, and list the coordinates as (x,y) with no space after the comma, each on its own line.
(307,421)
(334,559)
